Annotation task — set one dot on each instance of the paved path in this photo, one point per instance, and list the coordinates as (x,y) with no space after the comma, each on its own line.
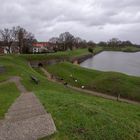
(54,79)
(26,119)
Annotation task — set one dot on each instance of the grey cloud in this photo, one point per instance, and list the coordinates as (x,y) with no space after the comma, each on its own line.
(90,19)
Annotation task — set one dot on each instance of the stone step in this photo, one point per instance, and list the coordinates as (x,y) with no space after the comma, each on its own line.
(29,129)
(23,107)
(20,116)
(25,111)
(27,94)
(26,102)
(19,106)
(26,97)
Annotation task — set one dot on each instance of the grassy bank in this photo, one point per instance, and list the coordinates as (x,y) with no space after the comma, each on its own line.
(76,53)
(8,94)
(123,49)
(77,116)
(63,54)
(111,83)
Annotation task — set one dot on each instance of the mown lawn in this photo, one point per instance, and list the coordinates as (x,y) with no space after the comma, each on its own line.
(61,54)
(123,49)
(8,94)
(77,116)
(81,117)
(76,53)
(107,82)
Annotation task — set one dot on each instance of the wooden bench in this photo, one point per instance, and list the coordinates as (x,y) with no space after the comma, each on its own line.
(34,79)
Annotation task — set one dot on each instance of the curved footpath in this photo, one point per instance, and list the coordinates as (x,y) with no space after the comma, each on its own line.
(26,119)
(53,79)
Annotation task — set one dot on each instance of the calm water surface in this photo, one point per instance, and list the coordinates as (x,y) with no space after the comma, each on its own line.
(128,63)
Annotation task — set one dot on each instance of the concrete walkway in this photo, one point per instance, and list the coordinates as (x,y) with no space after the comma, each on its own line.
(26,119)
(54,79)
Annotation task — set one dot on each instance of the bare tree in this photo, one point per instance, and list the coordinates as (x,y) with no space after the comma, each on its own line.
(55,44)
(27,42)
(91,44)
(77,42)
(6,36)
(126,43)
(102,44)
(83,44)
(67,40)
(17,35)
(114,42)
(24,39)
(54,40)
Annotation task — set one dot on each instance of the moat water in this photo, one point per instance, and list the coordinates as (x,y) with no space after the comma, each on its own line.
(128,63)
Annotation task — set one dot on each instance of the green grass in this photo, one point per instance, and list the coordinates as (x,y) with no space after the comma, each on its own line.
(77,116)
(75,53)
(62,54)
(81,117)
(107,82)
(8,94)
(123,49)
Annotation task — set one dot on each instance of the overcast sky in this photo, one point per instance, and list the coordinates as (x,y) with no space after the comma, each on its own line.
(90,19)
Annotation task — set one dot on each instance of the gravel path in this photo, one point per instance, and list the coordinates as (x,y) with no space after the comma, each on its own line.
(54,79)
(26,119)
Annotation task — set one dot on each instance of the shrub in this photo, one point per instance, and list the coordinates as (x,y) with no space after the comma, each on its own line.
(90,50)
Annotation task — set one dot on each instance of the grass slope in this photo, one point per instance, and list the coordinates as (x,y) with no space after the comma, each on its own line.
(123,49)
(64,54)
(77,116)
(107,82)
(76,53)
(8,94)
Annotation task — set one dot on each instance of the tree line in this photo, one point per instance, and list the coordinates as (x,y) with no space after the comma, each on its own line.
(115,42)
(65,41)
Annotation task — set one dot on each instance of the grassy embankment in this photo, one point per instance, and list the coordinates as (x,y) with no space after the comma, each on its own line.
(67,54)
(76,53)
(77,116)
(8,94)
(111,83)
(122,49)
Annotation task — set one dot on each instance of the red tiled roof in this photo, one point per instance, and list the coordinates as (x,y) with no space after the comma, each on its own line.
(40,44)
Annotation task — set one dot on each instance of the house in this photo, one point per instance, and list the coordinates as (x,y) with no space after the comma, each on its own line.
(40,47)
(1,50)
(4,49)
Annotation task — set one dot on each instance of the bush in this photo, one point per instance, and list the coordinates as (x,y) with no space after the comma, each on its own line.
(90,50)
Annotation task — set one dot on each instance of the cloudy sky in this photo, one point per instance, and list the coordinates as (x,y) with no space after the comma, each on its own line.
(90,19)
